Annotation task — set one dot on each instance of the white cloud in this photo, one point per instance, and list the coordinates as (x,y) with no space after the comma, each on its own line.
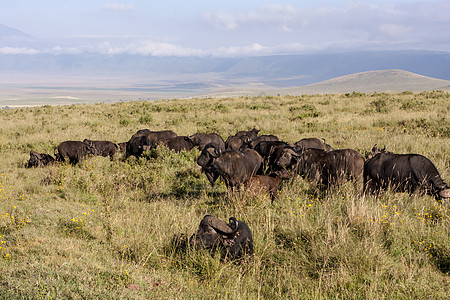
(148,48)
(18,50)
(221,20)
(118,7)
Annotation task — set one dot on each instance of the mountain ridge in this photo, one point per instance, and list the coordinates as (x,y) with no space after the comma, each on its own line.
(392,80)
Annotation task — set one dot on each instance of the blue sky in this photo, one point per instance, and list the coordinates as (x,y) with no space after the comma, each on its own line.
(224,28)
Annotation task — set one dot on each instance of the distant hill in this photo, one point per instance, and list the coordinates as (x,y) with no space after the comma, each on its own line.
(365,82)
(373,81)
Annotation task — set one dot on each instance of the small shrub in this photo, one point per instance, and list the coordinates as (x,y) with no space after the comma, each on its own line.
(412,105)
(124,122)
(379,105)
(145,119)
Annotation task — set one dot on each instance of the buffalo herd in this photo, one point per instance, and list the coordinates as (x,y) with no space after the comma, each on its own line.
(260,163)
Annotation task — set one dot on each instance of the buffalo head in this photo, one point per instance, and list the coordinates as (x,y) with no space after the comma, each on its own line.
(233,239)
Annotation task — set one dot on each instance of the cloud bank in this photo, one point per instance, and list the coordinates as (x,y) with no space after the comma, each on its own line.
(417,25)
(268,30)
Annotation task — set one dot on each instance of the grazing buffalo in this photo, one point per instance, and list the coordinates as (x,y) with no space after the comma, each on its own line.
(312,143)
(236,167)
(209,152)
(39,159)
(266,183)
(265,138)
(201,139)
(252,134)
(137,145)
(331,167)
(404,173)
(234,240)
(237,142)
(178,143)
(74,150)
(155,136)
(103,148)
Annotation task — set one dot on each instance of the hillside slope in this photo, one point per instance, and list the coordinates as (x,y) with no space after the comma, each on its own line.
(365,82)
(373,81)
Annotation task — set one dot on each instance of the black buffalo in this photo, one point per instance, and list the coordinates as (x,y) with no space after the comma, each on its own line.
(287,158)
(332,167)
(252,134)
(233,240)
(75,151)
(201,139)
(178,143)
(312,143)
(39,159)
(209,152)
(103,148)
(137,145)
(155,136)
(403,173)
(265,138)
(235,167)
(237,142)
(270,152)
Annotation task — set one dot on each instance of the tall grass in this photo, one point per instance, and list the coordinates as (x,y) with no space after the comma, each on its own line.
(116,229)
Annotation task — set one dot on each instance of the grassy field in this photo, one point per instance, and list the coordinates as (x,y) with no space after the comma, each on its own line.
(109,229)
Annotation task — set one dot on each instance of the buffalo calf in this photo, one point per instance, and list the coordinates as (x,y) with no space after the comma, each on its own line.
(266,183)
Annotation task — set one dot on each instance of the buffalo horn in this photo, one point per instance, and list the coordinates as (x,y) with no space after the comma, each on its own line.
(445,193)
(217,151)
(236,223)
(35,154)
(217,224)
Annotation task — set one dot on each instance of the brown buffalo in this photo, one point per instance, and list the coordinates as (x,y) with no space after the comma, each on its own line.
(266,183)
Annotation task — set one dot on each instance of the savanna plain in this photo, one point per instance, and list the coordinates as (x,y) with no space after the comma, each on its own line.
(115,229)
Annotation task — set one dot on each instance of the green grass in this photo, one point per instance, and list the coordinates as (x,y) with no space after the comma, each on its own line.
(105,229)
